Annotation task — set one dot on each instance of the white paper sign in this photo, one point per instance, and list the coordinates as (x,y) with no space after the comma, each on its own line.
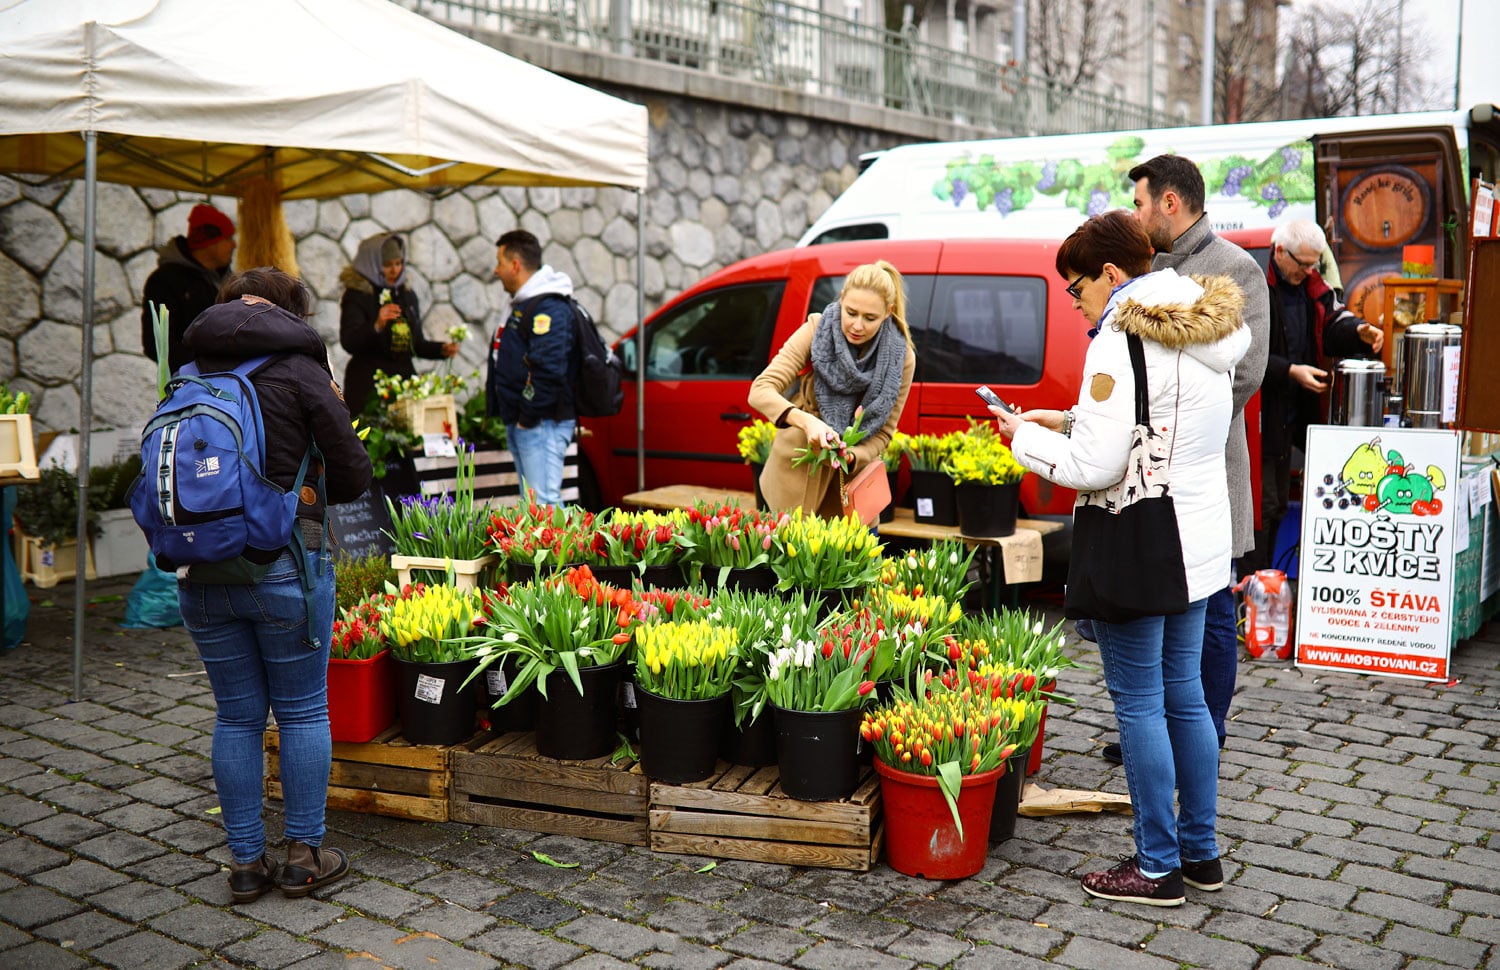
(438,445)
(924,507)
(1451,363)
(429,689)
(1375,592)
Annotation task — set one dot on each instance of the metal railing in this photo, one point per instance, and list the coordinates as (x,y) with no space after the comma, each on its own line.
(808,50)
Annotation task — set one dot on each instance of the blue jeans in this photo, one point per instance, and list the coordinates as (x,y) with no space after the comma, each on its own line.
(1221,657)
(539,452)
(261,653)
(1151,667)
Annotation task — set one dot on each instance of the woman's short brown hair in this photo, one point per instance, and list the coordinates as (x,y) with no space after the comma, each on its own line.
(281,288)
(1114,237)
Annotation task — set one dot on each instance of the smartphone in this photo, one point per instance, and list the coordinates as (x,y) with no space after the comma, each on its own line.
(990,397)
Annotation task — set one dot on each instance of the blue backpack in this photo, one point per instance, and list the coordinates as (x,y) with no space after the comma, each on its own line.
(203,496)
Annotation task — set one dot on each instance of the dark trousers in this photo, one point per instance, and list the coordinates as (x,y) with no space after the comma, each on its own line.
(1221,657)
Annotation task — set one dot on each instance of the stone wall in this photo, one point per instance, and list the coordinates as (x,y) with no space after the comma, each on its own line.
(726,183)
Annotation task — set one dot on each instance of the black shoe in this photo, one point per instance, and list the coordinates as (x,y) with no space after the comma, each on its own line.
(249,880)
(1112,754)
(1124,883)
(1207,875)
(308,867)
(1085,629)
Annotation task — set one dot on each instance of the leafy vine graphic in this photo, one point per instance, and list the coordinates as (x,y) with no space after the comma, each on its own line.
(1283,177)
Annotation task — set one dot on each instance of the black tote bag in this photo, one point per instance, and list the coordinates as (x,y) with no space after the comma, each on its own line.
(1126,561)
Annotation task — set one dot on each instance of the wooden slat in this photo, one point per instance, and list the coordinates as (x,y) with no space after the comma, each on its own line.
(733,778)
(545,771)
(352,774)
(761,827)
(762,781)
(549,796)
(378,803)
(626,832)
(785,853)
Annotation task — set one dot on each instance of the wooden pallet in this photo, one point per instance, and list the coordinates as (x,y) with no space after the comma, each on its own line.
(503,781)
(742,813)
(386,776)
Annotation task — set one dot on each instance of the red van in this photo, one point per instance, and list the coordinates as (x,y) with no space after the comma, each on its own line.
(981,312)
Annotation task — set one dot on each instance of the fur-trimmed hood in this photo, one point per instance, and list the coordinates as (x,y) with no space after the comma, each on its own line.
(1201,316)
(352,279)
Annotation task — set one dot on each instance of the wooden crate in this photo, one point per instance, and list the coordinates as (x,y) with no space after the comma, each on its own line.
(46,565)
(429,415)
(742,813)
(386,776)
(467,573)
(501,780)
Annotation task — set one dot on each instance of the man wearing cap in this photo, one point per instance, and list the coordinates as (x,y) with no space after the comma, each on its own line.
(186,280)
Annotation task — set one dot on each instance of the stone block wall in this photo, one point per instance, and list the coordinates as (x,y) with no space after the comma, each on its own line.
(726,183)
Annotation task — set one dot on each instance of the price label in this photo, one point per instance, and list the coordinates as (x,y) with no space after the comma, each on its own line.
(430,689)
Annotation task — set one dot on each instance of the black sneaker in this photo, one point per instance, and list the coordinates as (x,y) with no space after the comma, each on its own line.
(1124,883)
(1207,875)
(1112,754)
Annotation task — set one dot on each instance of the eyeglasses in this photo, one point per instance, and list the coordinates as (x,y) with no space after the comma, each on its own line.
(1310,264)
(1072,288)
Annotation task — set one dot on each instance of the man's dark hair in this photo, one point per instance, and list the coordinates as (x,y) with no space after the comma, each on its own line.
(524,246)
(1175,173)
(281,288)
(1114,237)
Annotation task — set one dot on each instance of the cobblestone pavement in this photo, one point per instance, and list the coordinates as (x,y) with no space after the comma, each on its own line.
(1355,813)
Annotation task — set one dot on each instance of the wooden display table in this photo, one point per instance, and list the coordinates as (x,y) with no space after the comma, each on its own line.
(670,497)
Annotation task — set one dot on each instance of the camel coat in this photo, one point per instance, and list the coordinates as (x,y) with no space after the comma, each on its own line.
(783,486)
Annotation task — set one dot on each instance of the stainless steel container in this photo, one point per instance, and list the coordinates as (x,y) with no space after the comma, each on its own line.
(1429,384)
(1359,393)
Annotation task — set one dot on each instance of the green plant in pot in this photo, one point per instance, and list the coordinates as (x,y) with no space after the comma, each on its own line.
(48,510)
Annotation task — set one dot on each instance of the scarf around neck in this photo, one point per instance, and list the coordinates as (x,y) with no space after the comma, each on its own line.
(843,382)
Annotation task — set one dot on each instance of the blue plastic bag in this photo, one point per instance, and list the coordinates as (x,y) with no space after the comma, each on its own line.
(17,603)
(153,600)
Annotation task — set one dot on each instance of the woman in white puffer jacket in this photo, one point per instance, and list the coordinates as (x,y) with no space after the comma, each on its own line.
(1192,335)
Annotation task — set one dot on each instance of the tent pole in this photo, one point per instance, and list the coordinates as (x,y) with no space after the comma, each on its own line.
(86,401)
(640,339)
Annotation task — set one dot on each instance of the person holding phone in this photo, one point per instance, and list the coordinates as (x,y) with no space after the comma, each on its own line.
(1192,335)
(856,354)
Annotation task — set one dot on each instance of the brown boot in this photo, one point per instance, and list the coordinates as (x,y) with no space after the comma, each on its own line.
(248,880)
(307,868)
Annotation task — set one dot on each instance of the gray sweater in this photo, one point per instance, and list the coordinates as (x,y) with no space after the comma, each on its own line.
(1219,257)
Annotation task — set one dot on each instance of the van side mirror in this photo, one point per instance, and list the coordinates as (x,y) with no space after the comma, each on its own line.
(626,351)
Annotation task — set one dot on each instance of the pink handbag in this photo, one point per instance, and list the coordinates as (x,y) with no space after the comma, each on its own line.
(867,493)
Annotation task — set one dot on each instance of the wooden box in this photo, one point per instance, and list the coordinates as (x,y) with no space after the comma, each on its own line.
(17,449)
(501,780)
(386,776)
(428,415)
(47,565)
(467,573)
(741,813)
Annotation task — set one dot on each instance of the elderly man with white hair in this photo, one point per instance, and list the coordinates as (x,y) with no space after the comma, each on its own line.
(1308,323)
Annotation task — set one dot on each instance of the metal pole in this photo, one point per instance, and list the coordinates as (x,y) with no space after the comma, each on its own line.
(85,402)
(640,339)
(1018,32)
(1208,62)
(1150,63)
(1400,52)
(1458,61)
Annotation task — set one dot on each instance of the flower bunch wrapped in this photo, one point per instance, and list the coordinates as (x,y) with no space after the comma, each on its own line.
(443,526)
(818,553)
(693,660)
(727,537)
(838,455)
(430,624)
(390,388)
(941,569)
(754,441)
(926,452)
(569,620)
(981,457)
(762,622)
(829,671)
(1016,638)
(541,535)
(641,539)
(356,630)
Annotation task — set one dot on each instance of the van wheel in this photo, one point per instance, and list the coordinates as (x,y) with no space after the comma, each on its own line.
(589,495)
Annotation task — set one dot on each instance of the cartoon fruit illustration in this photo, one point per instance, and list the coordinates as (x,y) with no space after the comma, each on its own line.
(1401,492)
(1362,472)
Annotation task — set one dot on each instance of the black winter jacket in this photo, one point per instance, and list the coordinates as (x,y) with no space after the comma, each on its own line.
(299,402)
(370,351)
(526,351)
(186,288)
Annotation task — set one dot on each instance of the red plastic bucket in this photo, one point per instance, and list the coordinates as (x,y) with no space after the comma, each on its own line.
(920,837)
(361,697)
(1034,763)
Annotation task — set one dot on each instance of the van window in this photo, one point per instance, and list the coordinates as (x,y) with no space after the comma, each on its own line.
(855,233)
(724,333)
(918,296)
(984,330)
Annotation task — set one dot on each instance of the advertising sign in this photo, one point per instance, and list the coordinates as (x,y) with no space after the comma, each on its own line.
(1375,589)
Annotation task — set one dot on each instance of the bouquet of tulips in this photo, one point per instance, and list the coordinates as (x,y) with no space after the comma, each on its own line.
(443,526)
(926,452)
(915,626)
(637,539)
(356,631)
(727,537)
(828,671)
(430,624)
(950,732)
(754,441)
(690,660)
(762,622)
(541,535)
(569,621)
(818,553)
(1017,638)
(941,569)
(838,456)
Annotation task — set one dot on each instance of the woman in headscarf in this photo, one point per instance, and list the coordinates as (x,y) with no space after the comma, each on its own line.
(380,323)
(858,354)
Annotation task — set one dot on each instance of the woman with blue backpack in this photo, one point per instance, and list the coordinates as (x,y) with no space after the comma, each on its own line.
(261,619)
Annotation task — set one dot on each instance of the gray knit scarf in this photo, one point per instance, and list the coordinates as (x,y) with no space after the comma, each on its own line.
(842,382)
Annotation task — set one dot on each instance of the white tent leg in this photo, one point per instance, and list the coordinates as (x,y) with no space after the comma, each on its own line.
(640,340)
(85,402)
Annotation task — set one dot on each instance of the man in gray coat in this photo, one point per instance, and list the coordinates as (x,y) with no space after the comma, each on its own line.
(1169,205)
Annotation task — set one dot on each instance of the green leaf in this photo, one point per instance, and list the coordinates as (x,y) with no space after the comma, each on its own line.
(708,868)
(623,751)
(950,780)
(213,811)
(546,859)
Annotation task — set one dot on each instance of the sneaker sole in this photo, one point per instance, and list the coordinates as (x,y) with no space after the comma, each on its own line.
(1143,900)
(1208,887)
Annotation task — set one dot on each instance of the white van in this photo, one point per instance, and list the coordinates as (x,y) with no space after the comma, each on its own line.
(1257,175)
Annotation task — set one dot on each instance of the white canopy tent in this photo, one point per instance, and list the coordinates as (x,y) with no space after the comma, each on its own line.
(318,97)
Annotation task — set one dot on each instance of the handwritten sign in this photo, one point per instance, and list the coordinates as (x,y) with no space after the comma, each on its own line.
(357,526)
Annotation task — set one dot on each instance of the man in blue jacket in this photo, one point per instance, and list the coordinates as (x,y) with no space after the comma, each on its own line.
(533,364)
